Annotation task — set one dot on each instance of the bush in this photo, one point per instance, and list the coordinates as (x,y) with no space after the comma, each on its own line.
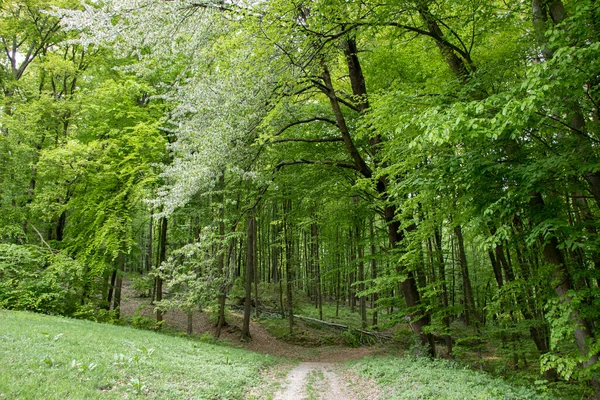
(141,284)
(34,279)
(351,338)
(140,322)
(91,312)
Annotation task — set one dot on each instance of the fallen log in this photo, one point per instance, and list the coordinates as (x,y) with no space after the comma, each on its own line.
(378,335)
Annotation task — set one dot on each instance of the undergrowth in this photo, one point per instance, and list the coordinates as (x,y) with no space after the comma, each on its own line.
(404,378)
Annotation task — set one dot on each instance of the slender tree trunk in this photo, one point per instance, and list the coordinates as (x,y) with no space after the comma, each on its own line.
(338,274)
(190,323)
(444,287)
(221,260)
(111,288)
(470,310)
(162,256)
(352,273)
(373,269)
(361,280)
(315,235)
(119,285)
(250,264)
(149,243)
(289,251)
(256,271)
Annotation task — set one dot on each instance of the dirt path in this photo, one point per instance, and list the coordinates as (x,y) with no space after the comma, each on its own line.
(262,341)
(320,380)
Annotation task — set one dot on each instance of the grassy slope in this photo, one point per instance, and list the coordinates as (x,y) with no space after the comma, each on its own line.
(420,378)
(46,357)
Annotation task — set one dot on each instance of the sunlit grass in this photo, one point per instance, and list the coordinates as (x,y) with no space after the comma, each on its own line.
(47,357)
(421,378)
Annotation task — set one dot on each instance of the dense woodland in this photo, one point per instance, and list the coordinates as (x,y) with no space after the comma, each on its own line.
(436,163)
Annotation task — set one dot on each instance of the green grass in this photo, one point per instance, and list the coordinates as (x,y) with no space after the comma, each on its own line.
(46,357)
(420,378)
(314,384)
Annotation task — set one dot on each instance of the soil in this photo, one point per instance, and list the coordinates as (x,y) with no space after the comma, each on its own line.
(317,376)
(261,341)
(324,381)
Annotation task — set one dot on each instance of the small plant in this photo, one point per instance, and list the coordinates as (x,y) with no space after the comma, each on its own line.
(49,362)
(94,313)
(137,386)
(82,367)
(140,322)
(351,338)
(142,284)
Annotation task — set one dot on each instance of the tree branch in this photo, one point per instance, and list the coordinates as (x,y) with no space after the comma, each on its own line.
(330,94)
(319,162)
(305,121)
(321,140)
(41,237)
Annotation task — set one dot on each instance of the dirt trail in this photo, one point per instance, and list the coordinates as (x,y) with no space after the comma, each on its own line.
(315,380)
(317,377)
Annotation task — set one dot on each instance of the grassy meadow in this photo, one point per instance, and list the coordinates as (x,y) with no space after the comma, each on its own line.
(46,357)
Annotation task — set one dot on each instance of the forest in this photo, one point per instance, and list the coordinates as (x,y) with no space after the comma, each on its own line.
(433,166)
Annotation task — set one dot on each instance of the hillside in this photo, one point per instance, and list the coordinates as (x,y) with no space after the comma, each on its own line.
(47,357)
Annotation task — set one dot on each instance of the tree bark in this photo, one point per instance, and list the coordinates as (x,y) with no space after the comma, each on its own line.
(289,249)
(162,256)
(250,264)
(373,269)
(470,311)
(221,260)
(444,287)
(319,294)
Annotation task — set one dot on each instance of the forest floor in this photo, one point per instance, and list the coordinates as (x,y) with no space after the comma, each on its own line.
(262,341)
(314,371)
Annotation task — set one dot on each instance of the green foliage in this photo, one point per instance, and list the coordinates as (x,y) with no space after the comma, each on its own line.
(92,312)
(352,338)
(35,279)
(191,276)
(141,284)
(139,321)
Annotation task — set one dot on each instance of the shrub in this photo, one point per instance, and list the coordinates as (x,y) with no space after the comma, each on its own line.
(34,279)
(351,338)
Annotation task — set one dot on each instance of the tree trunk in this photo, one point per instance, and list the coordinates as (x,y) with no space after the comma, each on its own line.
(190,323)
(162,256)
(562,285)
(444,287)
(250,264)
(221,260)
(119,285)
(418,318)
(373,269)
(111,288)
(361,280)
(318,286)
(470,311)
(289,249)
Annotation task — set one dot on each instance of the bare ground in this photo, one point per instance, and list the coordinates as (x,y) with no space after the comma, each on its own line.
(323,381)
(261,342)
(317,376)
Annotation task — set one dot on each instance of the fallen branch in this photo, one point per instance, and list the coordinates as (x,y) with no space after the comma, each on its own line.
(378,335)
